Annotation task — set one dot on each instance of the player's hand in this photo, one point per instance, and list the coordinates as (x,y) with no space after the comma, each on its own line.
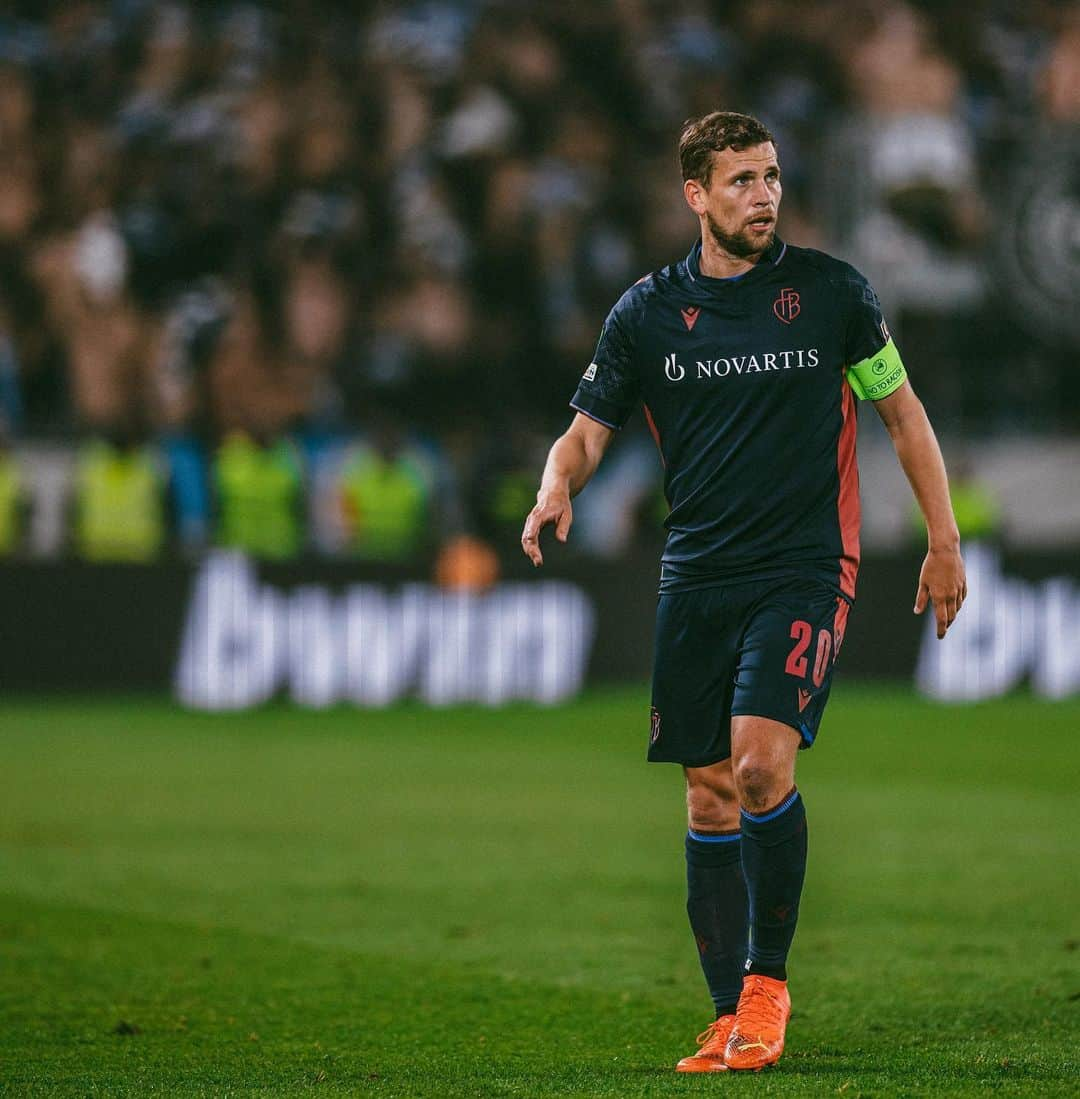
(552,508)
(942,582)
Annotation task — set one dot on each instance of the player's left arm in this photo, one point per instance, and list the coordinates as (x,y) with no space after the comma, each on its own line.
(941,579)
(876,372)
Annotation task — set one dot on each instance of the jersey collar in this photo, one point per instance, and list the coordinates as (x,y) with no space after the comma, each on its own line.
(769,259)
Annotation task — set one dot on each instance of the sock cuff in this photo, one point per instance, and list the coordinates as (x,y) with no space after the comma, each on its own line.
(714,837)
(713,850)
(777,824)
(772,814)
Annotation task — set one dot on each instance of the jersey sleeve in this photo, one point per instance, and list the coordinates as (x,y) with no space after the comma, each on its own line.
(610,388)
(873,365)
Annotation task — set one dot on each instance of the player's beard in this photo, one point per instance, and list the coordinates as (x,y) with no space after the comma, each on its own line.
(742,244)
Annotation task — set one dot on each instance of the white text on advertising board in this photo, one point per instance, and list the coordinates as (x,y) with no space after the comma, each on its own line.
(245,642)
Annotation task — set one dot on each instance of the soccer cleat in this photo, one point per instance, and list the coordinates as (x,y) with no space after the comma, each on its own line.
(710,1058)
(757,1038)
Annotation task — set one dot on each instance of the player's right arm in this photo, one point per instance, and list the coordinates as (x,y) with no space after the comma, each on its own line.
(571,461)
(606,395)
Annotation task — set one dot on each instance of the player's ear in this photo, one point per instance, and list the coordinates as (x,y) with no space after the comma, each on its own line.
(695,196)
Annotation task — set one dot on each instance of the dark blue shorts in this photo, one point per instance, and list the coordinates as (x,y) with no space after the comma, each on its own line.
(764,648)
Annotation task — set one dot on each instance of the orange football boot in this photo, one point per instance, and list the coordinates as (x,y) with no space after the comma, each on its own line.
(757,1038)
(710,1058)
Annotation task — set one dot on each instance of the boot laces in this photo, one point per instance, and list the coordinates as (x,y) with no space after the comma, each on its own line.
(709,1035)
(758,1007)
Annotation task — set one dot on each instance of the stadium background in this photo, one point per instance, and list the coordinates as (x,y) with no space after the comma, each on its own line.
(292,299)
(314,282)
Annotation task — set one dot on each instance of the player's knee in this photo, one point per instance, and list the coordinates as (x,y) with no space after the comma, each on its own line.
(711,810)
(758,784)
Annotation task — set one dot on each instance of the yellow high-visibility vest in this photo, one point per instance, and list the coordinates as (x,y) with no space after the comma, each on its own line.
(10,495)
(387,504)
(120,514)
(259,497)
(978,514)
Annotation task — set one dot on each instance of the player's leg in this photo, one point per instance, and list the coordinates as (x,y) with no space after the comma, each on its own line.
(693,677)
(773,824)
(782,684)
(716,902)
(774,865)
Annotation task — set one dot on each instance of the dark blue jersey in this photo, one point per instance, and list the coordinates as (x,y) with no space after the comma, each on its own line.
(748,385)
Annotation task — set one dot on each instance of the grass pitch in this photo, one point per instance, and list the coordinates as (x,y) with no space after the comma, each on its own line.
(478,903)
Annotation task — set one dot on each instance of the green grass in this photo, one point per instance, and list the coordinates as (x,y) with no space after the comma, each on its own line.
(490,903)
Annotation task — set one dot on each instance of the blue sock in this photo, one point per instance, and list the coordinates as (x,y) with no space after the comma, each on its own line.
(717,907)
(774,862)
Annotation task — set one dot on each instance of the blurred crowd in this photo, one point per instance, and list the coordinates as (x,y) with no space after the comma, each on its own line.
(345,262)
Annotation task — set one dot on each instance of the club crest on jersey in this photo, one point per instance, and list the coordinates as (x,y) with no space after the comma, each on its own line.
(787,307)
(690,316)
(654,725)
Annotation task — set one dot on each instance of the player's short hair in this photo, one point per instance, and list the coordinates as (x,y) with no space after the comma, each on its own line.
(712,133)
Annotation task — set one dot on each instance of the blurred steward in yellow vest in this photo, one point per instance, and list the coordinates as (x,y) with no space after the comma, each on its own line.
(119,506)
(12,500)
(977,511)
(975,504)
(260,497)
(386,498)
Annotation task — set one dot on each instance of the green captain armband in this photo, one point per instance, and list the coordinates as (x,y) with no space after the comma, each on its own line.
(877,376)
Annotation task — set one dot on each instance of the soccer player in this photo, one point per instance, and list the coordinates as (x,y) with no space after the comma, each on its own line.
(748,356)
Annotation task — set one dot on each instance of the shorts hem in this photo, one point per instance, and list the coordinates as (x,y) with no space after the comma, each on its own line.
(806,735)
(707,762)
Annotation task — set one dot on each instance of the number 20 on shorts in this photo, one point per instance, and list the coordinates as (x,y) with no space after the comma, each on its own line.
(803,633)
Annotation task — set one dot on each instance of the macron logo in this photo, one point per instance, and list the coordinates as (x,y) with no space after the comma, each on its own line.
(690,316)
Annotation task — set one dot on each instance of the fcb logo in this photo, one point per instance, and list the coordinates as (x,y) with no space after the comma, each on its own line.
(787,307)
(654,725)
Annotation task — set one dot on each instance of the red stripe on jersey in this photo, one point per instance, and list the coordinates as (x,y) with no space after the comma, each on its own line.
(839,626)
(655,434)
(847,503)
